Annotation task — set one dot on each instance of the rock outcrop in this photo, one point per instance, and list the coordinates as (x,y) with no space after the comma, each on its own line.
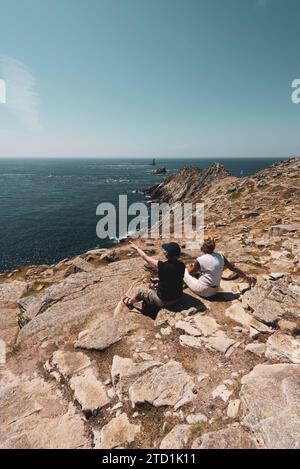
(271,395)
(186,183)
(78,370)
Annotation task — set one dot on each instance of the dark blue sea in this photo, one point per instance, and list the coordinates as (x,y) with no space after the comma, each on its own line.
(48,206)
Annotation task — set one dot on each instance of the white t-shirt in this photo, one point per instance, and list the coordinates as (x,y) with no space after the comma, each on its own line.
(211,268)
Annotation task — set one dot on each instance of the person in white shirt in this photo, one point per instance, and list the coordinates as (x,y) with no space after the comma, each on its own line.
(203,277)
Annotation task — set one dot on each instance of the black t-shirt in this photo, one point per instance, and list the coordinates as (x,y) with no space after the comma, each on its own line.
(170,275)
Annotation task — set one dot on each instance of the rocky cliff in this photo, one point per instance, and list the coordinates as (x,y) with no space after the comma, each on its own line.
(83,372)
(186,183)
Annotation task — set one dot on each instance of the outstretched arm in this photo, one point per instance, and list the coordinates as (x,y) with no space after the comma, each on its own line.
(150,260)
(228,265)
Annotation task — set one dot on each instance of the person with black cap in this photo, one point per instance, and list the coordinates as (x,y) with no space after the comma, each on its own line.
(169,288)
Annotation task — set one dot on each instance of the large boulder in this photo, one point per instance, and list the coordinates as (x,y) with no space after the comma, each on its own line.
(33,305)
(81,310)
(271,395)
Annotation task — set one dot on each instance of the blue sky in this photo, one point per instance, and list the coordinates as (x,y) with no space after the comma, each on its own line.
(143,78)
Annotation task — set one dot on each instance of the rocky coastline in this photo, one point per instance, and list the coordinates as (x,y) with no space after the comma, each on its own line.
(79,371)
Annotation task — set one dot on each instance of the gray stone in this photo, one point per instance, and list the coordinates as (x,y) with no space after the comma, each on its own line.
(117,433)
(89,392)
(269,312)
(271,395)
(34,415)
(190,341)
(12,291)
(233,408)
(168,384)
(69,363)
(226,438)
(283,347)
(107,332)
(82,265)
(33,305)
(222,392)
(8,326)
(177,438)
(196,418)
(187,328)
(109,256)
(283,229)
(258,349)
(125,371)
(237,313)
(221,343)
(206,325)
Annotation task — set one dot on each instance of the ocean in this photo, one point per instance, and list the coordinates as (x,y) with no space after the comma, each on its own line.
(48,206)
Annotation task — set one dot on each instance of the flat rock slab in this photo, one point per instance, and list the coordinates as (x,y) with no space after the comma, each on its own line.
(108,332)
(69,363)
(227,438)
(11,292)
(34,415)
(237,313)
(117,433)
(187,328)
(270,300)
(95,302)
(125,371)
(271,395)
(258,349)
(168,384)
(177,438)
(283,347)
(33,305)
(206,325)
(269,312)
(220,343)
(190,341)
(89,392)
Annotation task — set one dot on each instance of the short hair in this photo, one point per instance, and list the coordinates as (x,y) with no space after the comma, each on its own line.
(209,244)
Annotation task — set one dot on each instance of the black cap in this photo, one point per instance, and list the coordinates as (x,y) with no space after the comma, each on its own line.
(172,249)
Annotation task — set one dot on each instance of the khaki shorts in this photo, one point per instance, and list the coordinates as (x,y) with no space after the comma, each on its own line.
(150,296)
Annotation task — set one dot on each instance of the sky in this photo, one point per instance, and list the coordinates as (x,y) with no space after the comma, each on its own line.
(149,78)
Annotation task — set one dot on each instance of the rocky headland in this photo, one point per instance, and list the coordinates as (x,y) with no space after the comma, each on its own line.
(80,371)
